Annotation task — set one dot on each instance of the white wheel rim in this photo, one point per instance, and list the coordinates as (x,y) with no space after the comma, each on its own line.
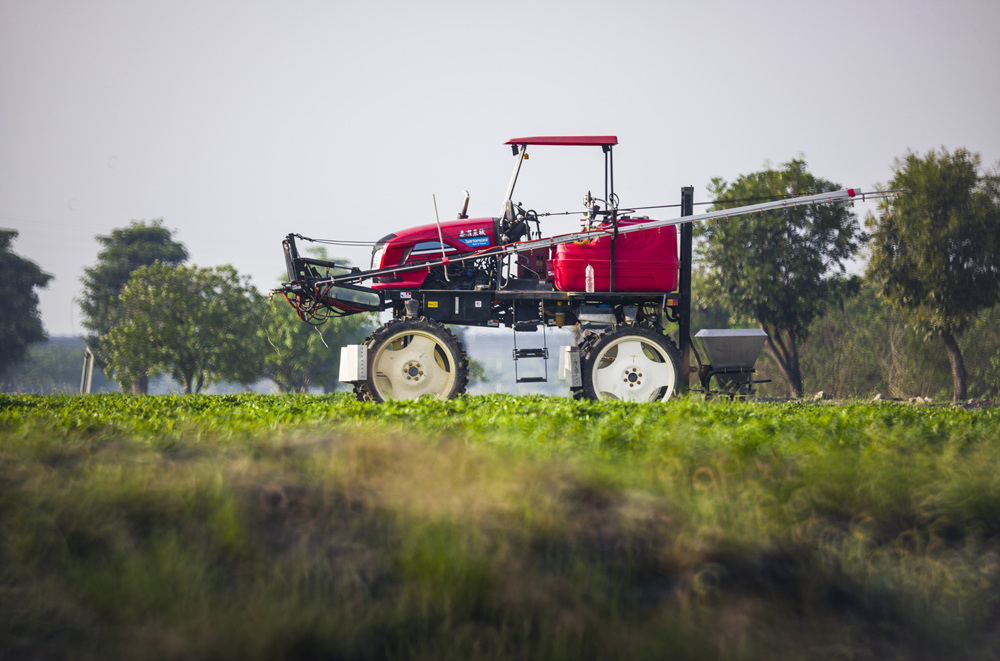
(633,369)
(413,364)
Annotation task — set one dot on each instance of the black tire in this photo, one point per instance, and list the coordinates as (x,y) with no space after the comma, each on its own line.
(412,358)
(586,343)
(630,362)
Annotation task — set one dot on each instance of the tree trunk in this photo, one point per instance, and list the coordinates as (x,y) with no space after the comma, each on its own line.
(959,376)
(141,385)
(786,356)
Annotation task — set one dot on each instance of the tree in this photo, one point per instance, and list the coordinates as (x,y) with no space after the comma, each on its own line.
(196,324)
(981,343)
(303,355)
(20,320)
(934,247)
(126,249)
(780,268)
(863,347)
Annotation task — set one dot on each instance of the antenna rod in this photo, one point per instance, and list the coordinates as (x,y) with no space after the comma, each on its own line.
(444,257)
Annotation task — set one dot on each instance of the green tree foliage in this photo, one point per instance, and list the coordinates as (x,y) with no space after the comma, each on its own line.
(981,344)
(866,346)
(935,247)
(196,324)
(302,355)
(123,251)
(781,268)
(20,320)
(863,347)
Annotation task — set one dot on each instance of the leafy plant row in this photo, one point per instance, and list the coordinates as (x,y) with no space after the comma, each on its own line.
(540,424)
(259,527)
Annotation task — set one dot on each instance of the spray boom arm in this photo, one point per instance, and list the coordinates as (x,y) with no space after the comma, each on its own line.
(845,195)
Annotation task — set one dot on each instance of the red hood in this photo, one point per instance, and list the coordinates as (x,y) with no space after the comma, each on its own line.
(453,231)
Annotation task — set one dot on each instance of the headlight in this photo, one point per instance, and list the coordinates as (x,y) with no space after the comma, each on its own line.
(377,258)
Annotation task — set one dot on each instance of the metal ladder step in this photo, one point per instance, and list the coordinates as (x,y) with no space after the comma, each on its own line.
(540,352)
(532,352)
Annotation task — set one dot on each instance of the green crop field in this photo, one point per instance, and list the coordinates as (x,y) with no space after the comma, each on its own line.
(499,527)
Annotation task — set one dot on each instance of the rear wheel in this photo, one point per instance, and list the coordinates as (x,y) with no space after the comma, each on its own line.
(411,358)
(632,363)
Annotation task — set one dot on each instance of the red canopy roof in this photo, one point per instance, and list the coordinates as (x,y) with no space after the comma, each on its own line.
(567,140)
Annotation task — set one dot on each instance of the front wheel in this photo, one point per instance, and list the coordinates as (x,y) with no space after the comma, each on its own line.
(410,358)
(631,363)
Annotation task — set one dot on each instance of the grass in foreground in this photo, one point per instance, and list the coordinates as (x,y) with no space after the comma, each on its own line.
(258,527)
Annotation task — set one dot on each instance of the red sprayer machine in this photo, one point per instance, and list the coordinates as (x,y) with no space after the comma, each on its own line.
(617,279)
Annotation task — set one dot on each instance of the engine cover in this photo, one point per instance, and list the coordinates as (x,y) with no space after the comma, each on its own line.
(424,244)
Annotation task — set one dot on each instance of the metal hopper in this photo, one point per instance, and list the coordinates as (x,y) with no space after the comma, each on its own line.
(731,353)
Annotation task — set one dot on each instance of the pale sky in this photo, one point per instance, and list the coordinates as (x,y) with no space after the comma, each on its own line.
(238,122)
